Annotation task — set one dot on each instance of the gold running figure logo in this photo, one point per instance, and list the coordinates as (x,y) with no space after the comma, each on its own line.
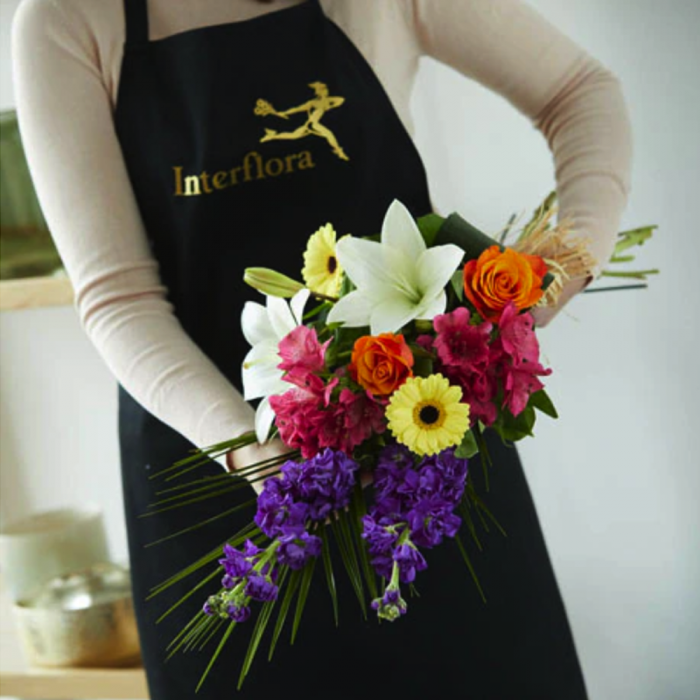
(316,108)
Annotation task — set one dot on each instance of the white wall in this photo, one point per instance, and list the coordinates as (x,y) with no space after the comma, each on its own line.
(616,478)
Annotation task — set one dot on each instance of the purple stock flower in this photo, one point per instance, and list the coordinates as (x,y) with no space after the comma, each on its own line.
(379,539)
(260,588)
(228,581)
(297,547)
(234,562)
(326,481)
(239,613)
(431,520)
(410,560)
(448,474)
(276,510)
(381,542)
(310,489)
(391,605)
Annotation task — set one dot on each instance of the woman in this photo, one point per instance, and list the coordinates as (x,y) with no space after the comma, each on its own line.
(172,145)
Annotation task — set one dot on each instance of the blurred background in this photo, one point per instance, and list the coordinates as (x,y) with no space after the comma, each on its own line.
(616,478)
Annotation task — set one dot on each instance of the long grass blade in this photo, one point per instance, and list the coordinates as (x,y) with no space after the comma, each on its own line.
(358,510)
(468,562)
(307,575)
(347,554)
(224,476)
(481,506)
(469,522)
(198,489)
(215,494)
(218,516)
(259,630)
(292,586)
(182,634)
(202,453)
(215,655)
(257,466)
(186,639)
(328,566)
(200,633)
(187,595)
(484,453)
(249,531)
(214,629)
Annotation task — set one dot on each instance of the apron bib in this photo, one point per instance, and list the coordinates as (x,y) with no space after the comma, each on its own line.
(240,141)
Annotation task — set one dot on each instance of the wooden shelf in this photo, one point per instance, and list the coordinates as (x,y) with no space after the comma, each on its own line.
(19,680)
(35,292)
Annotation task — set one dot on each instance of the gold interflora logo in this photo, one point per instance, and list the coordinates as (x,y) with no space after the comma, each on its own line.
(253,167)
(315,108)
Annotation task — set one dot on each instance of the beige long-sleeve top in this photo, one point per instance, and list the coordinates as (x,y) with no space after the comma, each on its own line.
(66,61)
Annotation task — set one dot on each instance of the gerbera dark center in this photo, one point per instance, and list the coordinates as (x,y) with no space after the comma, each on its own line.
(332,264)
(429,415)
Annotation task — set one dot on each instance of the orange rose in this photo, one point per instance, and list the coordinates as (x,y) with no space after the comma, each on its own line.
(381,363)
(496,278)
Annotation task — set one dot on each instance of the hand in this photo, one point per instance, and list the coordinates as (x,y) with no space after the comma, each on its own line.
(246,456)
(544,314)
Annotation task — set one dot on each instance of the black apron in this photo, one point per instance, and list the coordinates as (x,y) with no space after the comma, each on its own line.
(241,140)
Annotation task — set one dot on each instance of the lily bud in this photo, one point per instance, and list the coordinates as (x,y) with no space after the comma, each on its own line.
(272,283)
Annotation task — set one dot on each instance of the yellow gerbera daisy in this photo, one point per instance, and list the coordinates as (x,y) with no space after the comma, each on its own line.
(321,272)
(427,414)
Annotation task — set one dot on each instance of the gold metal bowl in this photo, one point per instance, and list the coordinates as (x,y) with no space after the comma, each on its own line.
(81,619)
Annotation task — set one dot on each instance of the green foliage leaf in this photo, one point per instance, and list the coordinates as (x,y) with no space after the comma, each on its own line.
(422,366)
(461,233)
(513,428)
(457,282)
(468,447)
(541,401)
(429,225)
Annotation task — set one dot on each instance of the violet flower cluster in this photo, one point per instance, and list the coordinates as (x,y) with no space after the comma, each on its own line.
(414,508)
(249,575)
(304,493)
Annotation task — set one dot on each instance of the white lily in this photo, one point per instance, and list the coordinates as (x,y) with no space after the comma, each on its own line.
(264,327)
(397,280)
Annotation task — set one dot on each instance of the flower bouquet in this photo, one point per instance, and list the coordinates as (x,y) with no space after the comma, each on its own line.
(415,343)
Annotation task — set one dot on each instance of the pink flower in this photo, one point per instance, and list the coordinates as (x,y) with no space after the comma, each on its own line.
(295,415)
(308,420)
(363,416)
(478,390)
(459,344)
(519,382)
(517,336)
(301,354)
(426,342)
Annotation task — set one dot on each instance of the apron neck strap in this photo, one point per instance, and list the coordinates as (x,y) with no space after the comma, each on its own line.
(136,18)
